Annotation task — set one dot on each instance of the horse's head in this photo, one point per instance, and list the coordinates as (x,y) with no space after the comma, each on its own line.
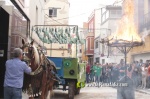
(30,54)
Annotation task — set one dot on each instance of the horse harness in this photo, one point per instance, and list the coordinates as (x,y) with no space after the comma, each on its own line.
(44,66)
(41,66)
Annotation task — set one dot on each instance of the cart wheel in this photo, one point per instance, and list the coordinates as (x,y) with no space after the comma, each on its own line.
(71,90)
(77,91)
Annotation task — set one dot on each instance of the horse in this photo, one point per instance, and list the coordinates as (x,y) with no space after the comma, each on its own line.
(43,76)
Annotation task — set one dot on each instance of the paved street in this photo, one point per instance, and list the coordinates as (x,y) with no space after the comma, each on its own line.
(97,93)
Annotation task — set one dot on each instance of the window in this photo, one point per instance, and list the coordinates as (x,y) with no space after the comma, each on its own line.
(16,24)
(87,44)
(17,40)
(96,44)
(112,12)
(20,27)
(91,43)
(52,12)
(92,26)
(115,13)
(97,60)
(80,51)
(103,61)
(103,48)
(119,12)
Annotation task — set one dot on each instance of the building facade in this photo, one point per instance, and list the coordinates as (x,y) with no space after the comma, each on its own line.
(142,14)
(81,53)
(109,17)
(79,46)
(98,30)
(56,15)
(90,38)
(16,19)
(83,46)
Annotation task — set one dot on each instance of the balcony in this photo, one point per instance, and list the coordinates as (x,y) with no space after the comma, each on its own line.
(89,52)
(89,44)
(145,22)
(111,12)
(89,34)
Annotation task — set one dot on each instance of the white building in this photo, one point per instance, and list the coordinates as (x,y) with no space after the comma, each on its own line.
(108,24)
(80,45)
(56,15)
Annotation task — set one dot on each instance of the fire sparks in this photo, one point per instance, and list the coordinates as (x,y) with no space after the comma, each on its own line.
(126,30)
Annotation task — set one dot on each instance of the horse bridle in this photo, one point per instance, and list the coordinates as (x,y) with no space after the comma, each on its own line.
(27,54)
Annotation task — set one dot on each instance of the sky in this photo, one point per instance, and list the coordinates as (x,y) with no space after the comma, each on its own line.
(81,9)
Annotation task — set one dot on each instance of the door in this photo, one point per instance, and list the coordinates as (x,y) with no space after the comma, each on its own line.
(4,27)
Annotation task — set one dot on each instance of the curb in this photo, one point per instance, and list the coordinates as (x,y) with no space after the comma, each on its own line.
(141,91)
(144,92)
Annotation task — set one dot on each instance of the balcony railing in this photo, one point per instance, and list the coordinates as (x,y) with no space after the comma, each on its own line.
(145,22)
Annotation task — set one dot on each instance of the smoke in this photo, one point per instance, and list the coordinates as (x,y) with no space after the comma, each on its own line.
(144,34)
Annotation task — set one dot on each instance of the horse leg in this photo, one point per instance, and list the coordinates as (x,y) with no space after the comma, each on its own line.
(52,93)
(31,98)
(48,95)
(43,86)
(47,92)
(50,90)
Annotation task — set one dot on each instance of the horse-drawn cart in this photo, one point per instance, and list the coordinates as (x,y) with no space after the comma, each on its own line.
(71,74)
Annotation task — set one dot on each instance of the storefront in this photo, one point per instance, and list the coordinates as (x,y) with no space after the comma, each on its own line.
(9,29)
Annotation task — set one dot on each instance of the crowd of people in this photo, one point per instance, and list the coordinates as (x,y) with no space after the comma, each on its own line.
(138,71)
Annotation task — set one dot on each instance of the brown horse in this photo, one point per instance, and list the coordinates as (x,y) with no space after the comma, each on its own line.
(41,81)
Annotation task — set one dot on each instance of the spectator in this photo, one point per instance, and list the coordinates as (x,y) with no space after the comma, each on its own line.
(115,73)
(94,72)
(87,72)
(147,63)
(135,75)
(103,76)
(98,74)
(91,73)
(148,73)
(144,76)
(109,74)
(121,71)
(141,63)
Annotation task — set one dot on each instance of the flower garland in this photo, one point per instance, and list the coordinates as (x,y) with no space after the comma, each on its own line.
(58,35)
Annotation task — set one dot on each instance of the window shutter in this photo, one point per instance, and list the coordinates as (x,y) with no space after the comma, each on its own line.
(54,12)
(50,12)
